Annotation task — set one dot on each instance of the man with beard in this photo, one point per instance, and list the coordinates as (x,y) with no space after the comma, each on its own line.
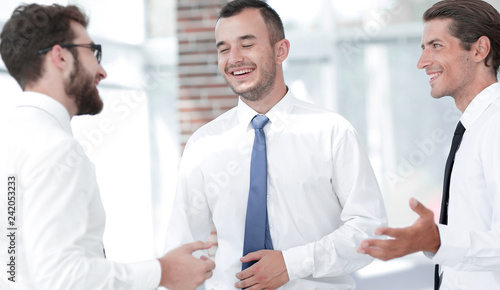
(296,195)
(461,56)
(56,218)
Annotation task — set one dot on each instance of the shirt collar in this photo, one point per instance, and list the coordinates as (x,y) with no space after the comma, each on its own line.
(278,115)
(479,104)
(49,105)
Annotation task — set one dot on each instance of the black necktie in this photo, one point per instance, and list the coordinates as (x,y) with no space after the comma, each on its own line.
(443,218)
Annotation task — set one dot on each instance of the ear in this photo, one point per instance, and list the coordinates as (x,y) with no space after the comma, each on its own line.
(282,48)
(481,48)
(59,57)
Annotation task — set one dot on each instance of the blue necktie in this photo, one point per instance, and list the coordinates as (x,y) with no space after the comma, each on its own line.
(443,218)
(257,236)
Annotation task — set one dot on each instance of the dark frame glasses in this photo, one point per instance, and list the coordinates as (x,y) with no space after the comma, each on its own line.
(96,48)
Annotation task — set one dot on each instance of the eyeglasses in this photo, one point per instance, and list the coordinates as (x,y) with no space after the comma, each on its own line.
(96,49)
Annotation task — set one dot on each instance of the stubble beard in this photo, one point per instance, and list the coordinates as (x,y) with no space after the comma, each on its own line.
(260,89)
(459,88)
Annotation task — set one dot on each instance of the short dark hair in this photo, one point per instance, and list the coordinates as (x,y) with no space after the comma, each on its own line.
(31,28)
(471,19)
(271,17)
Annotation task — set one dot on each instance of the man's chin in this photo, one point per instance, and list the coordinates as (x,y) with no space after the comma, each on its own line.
(239,90)
(436,95)
(95,112)
(248,94)
(90,113)
(91,109)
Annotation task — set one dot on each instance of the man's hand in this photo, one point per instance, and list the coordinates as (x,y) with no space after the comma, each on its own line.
(180,270)
(268,273)
(423,235)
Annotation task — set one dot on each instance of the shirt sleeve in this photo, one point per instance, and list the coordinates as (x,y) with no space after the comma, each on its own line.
(191,219)
(356,187)
(468,250)
(476,250)
(62,223)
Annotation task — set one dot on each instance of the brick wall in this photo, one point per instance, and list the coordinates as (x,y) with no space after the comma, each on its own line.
(203,94)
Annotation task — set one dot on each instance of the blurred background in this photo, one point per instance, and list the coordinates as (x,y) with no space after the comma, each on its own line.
(355,57)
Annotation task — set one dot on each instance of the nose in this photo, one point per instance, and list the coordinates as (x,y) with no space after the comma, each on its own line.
(235,56)
(424,60)
(102,73)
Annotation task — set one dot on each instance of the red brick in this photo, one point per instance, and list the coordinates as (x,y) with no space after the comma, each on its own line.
(203,93)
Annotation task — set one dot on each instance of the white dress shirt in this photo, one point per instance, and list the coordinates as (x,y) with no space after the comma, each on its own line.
(470,244)
(323,198)
(59,215)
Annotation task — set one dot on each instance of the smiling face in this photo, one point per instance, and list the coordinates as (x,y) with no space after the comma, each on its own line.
(85,76)
(246,58)
(450,67)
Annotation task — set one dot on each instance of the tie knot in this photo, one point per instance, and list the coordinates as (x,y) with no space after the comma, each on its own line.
(259,121)
(460,129)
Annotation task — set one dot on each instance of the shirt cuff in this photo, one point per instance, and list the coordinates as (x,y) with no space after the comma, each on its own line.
(299,261)
(147,274)
(454,246)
